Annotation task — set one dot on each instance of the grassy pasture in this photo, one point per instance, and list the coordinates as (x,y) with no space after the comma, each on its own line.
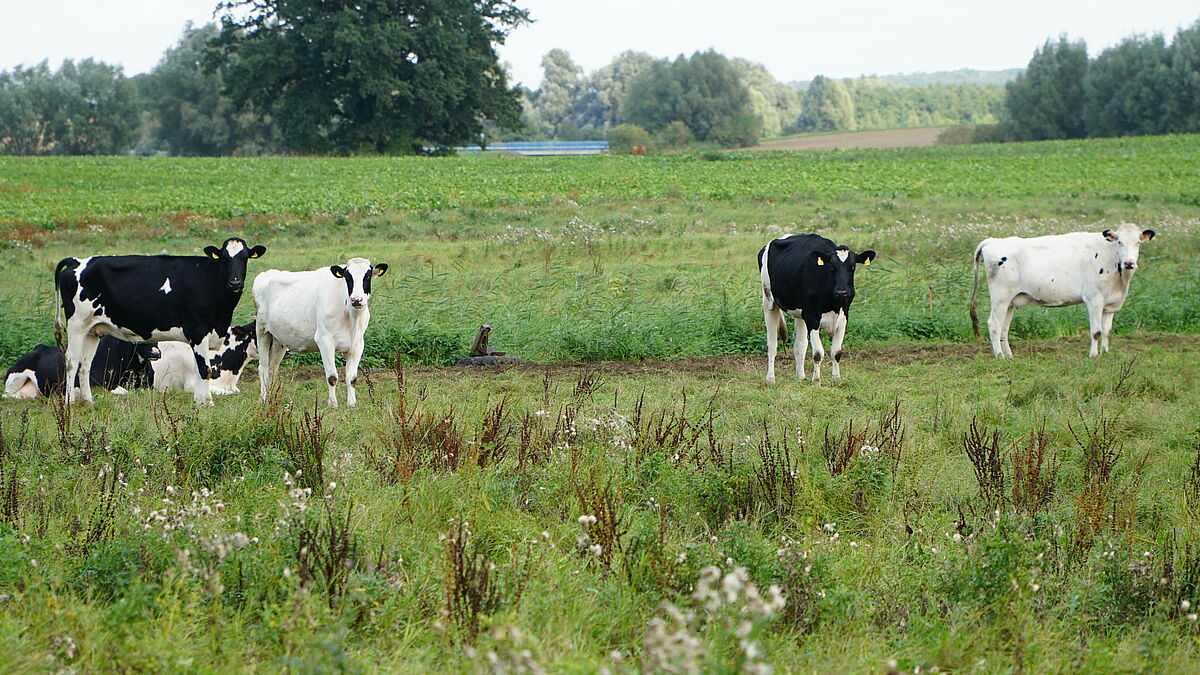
(142,533)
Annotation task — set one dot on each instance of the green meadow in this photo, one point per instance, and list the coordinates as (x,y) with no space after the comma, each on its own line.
(636,499)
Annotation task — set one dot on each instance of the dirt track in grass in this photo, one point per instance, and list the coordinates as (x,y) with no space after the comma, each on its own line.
(1124,346)
(890,138)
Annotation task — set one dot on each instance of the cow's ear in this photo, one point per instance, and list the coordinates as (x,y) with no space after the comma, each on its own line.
(865,257)
(337,271)
(1109,235)
(818,257)
(212,252)
(258,251)
(1147,235)
(381,269)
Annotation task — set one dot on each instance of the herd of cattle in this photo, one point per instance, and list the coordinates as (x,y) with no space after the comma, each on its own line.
(164,321)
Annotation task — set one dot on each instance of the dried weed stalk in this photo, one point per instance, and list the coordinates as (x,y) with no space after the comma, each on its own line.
(601,520)
(475,588)
(1033,474)
(982,446)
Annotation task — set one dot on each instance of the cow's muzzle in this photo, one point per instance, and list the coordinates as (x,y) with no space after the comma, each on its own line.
(1129,265)
(154,355)
(357,303)
(235,284)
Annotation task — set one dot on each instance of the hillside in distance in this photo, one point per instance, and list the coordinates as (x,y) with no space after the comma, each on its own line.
(942,77)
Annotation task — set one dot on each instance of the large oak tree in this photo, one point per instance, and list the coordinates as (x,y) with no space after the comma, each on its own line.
(377,75)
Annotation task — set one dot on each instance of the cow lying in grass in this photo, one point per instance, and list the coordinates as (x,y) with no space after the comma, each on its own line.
(118,366)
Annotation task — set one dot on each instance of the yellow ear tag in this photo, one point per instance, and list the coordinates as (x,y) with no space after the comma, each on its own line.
(867,261)
(820,261)
(1145,237)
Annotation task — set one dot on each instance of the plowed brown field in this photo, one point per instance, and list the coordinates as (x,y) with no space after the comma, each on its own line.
(891,138)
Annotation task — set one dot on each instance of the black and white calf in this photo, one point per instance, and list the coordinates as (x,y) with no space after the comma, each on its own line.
(812,279)
(176,370)
(151,298)
(324,310)
(118,366)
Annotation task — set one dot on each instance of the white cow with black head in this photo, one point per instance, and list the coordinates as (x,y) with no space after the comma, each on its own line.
(323,310)
(1093,268)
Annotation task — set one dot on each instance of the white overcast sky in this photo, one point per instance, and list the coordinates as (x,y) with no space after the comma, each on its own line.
(795,39)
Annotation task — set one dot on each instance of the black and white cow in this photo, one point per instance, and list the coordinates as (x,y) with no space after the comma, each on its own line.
(1093,268)
(176,370)
(812,279)
(151,298)
(118,366)
(323,310)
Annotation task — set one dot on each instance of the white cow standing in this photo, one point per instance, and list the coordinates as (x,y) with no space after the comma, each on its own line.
(321,310)
(1093,268)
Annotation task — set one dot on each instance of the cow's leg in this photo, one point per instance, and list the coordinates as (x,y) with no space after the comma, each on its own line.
(799,346)
(772,317)
(813,323)
(1008,319)
(838,334)
(200,393)
(352,361)
(1105,330)
(998,327)
(328,350)
(1095,309)
(267,362)
(80,353)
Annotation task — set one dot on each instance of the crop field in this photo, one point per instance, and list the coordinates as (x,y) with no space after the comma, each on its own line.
(637,499)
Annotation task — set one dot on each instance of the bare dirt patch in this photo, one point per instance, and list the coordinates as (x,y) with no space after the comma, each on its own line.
(891,138)
(721,366)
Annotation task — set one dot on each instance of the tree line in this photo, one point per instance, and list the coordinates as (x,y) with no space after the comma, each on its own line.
(1142,85)
(401,76)
(710,98)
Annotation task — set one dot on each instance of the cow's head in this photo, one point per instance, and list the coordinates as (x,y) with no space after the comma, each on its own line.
(357,273)
(234,253)
(146,351)
(1128,239)
(841,268)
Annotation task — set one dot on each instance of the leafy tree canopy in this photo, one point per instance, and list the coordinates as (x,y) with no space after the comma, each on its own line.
(386,75)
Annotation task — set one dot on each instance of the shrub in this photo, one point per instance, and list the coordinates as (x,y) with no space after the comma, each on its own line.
(623,137)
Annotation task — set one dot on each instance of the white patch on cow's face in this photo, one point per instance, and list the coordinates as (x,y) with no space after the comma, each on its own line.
(358,269)
(842,255)
(166,287)
(234,247)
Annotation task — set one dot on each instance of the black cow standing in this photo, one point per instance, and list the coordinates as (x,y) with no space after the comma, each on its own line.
(151,298)
(812,279)
(117,367)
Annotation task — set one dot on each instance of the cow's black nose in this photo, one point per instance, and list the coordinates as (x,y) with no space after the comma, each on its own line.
(841,294)
(1130,265)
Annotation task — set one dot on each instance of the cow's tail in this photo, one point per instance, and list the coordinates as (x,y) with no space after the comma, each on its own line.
(58,330)
(975,290)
